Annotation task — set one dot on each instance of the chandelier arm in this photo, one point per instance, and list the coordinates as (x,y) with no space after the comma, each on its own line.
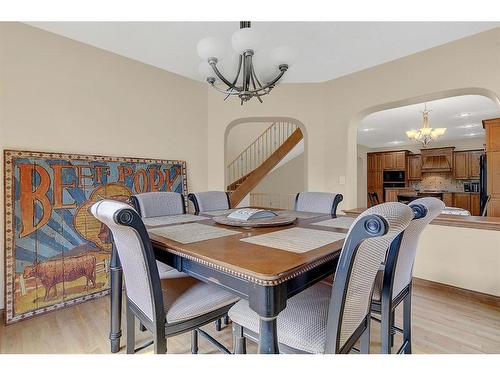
(227,92)
(255,88)
(236,78)
(270,84)
(213,64)
(260,84)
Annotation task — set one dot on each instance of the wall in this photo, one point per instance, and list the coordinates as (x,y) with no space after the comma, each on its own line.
(287,179)
(63,96)
(241,136)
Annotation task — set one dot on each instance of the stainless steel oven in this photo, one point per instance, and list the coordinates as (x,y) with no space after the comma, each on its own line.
(394,176)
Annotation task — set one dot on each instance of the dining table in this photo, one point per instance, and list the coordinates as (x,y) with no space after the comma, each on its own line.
(264,265)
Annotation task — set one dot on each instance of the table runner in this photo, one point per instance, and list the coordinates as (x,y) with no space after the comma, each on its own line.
(192,232)
(297,240)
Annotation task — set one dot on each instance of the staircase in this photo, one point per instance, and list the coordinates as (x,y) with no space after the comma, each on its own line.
(257,160)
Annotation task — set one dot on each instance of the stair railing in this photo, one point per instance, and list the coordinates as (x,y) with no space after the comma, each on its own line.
(259,150)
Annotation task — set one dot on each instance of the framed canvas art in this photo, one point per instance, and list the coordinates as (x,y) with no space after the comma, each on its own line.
(56,253)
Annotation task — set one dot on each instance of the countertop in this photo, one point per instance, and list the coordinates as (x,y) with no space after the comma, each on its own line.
(476,222)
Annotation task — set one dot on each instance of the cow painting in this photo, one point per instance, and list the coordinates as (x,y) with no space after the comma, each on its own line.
(52,272)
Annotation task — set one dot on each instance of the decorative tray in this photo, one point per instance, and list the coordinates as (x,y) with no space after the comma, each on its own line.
(256,223)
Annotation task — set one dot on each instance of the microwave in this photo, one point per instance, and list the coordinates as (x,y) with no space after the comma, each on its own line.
(394,176)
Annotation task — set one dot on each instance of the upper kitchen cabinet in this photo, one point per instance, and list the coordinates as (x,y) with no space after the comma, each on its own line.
(474,167)
(466,164)
(493,164)
(437,159)
(414,167)
(461,165)
(394,161)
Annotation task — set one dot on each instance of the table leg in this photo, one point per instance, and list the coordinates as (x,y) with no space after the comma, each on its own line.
(268,335)
(116,301)
(268,302)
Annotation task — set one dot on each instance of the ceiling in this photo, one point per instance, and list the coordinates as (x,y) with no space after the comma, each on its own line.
(326,50)
(461,115)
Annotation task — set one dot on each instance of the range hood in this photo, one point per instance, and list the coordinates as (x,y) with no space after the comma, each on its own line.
(437,159)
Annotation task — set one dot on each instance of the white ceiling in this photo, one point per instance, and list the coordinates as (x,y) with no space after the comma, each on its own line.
(461,115)
(326,50)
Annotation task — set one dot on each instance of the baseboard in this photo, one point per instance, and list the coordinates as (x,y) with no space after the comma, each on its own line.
(470,294)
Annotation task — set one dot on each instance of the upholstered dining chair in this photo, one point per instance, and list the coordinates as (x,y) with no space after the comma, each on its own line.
(393,283)
(329,318)
(210,201)
(166,308)
(160,203)
(324,203)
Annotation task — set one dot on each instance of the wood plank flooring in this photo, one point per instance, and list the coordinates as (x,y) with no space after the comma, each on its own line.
(444,321)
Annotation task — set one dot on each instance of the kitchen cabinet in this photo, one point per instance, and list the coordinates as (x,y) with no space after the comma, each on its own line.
(394,161)
(475,206)
(391,195)
(401,160)
(389,161)
(493,157)
(461,165)
(462,200)
(414,167)
(474,166)
(448,199)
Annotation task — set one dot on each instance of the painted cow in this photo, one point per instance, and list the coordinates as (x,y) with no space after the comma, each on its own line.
(53,272)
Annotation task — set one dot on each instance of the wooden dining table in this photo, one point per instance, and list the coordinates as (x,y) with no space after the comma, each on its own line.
(265,276)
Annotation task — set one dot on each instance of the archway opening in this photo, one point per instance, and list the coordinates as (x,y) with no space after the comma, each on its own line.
(255,144)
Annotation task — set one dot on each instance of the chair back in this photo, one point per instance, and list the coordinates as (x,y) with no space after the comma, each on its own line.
(373,198)
(323,203)
(399,264)
(158,203)
(134,248)
(210,201)
(364,250)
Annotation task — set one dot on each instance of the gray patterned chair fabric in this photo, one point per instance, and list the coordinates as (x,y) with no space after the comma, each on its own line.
(159,203)
(155,204)
(323,203)
(183,305)
(325,318)
(210,201)
(408,247)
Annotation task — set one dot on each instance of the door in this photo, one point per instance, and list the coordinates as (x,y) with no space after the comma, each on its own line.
(461,165)
(462,200)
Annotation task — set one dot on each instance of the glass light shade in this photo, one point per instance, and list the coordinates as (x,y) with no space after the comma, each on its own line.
(210,47)
(245,39)
(206,70)
(425,131)
(440,131)
(412,134)
(283,55)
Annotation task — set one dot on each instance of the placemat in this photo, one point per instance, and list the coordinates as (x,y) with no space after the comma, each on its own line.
(344,222)
(297,240)
(219,212)
(299,214)
(172,219)
(193,232)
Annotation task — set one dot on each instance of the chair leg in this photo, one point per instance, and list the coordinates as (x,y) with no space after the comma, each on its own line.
(130,331)
(393,322)
(385,332)
(142,327)
(364,347)
(227,320)
(407,323)
(218,325)
(194,342)
(239,341)
(160,341)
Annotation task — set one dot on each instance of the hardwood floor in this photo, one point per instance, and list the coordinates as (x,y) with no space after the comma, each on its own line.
(444,321)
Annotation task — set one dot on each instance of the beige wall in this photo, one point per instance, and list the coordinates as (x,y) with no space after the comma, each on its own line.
(241,136)
(287,179)
(63,96)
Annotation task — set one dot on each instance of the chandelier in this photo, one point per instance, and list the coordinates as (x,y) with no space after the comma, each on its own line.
(245,84)
(426,134)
